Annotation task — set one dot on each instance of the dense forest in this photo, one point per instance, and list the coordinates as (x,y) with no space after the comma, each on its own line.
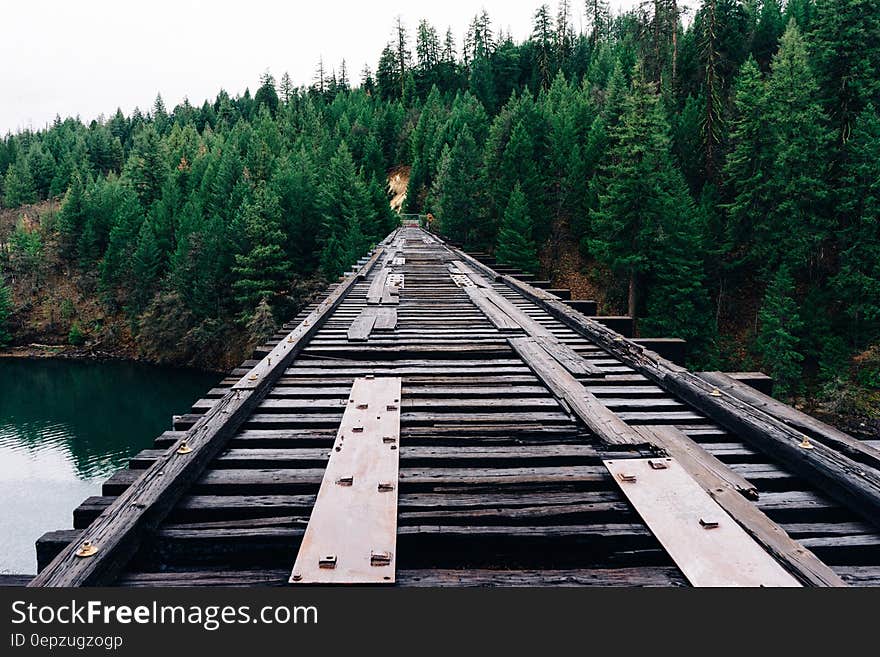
(718,173)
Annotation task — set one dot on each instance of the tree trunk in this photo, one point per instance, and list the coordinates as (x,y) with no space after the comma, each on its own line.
(632,296)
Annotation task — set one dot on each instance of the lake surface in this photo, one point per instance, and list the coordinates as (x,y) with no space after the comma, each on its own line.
(65,426)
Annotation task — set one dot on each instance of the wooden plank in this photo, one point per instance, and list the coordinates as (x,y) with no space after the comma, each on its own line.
(599,419)
(117,532)
(694,458)
(498,317)
(362,325)
(568,357)
(351,537)
(377,287)
(707,545)
(386,319)
(725,487)
(506,316)
(852,447)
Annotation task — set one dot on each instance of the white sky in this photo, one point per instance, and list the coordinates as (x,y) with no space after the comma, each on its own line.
(88,57)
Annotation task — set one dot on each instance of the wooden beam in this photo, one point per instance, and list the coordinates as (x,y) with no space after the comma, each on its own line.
(499,319)
(695,459)
(362,325)
(117,532)
(599,419)
(852,447)
(386,319)
(351,537)
(506,316)
(707,544)
(725,486)
(377,287)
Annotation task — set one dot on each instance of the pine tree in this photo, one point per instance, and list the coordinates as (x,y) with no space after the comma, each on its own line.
(798,224)
(261,270)
(457,195)
(286,89)
(711,126)
(857,283)
(343,199)
(598,21)
(266,95)
(6,309)
(749,163)
(72,217)
(515,244)
(767,32)
(160,116)
(146,167)
(542,37)
(18,186)
(262,324)
(115,268)
(145,268)
(41,166)
(845,51)
(639,190)
(778,341)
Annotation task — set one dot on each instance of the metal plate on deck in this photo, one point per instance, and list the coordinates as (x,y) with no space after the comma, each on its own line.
(351,537)
(707,545)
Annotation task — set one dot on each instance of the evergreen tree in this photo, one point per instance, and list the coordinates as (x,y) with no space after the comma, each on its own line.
(857,283)
(598,21)
(72,217)
(515,245)
(266,95)
(344,201)
(145,268)
(18,186)
(261,271)
(798,224)
(160,116)
(845,50)
(778,341)
(262,324)
(41,166)
(146,167)
(639,190)
(457,195)
(767,32)
(749,163)
(286,89)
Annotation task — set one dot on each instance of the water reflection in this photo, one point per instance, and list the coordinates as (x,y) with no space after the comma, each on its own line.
(67,425)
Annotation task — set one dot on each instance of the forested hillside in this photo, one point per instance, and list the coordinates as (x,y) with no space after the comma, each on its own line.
(718,174)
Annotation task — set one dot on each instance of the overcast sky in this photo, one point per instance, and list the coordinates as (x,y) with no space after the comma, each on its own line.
(88,57)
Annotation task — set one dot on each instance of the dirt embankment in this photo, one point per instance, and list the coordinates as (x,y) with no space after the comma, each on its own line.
(398,181)
(57,312)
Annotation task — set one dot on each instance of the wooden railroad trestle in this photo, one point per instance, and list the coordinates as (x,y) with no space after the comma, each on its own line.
(433,422)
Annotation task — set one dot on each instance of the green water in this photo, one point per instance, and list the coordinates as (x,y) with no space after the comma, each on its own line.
(65,426)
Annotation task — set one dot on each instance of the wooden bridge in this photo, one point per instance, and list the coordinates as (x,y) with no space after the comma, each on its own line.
(434,421)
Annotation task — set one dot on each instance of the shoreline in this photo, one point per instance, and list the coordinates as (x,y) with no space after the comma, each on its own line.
(67,352)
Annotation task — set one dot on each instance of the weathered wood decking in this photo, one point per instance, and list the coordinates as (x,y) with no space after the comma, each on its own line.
(510,403)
